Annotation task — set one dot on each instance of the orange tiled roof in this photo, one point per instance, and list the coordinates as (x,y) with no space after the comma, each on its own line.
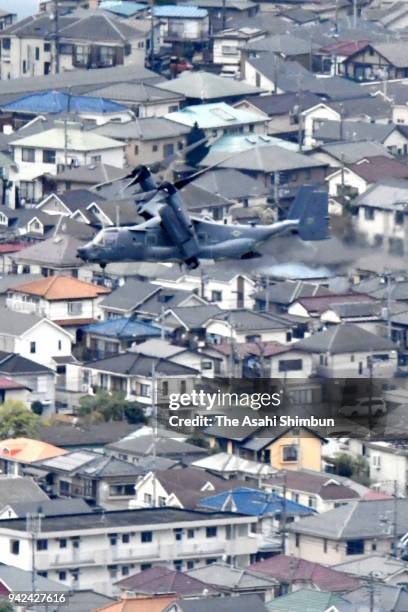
(61,288)
(140,604)
(28,450)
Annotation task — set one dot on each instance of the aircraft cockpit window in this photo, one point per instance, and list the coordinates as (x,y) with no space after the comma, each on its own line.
(106,237)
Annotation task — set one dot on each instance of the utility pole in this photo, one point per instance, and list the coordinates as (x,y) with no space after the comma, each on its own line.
(33,526)
(224,15)
(151,50)
(56,54)
(370,365)
(371,591)
(154,429)
(283,516)
(354,13)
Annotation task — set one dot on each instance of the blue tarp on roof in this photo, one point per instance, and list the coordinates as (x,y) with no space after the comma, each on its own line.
(253,502)
(59,102)
(187,12)
(123,327)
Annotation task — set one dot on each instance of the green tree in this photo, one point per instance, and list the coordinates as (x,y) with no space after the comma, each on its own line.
(17,420)
(104,406)
(5,606)
(37,407)
(355,468)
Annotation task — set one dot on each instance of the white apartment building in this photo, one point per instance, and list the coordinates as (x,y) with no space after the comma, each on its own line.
(92,550)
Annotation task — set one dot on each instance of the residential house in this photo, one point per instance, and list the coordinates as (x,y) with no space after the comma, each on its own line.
(12,579)
(316,305)
(7,18)
(393,137)
(54,256)
(83,177)
(393,571)
(351,530)
(186,324)
(380,215)
(142,98)
(266,506)
(147,140)
(283,110)
(240,603)
(228,45)
(131,373)
(75,436)
(86,40)
(218,119)
(243,325)
(355,179)
(278,167)
(295,574)
(235,581)
(179,24)
(218,285)
(140,603)
(17,454)
(387,462)
(107,545)
(305,598)
(139,445)
(203,202)
(13,391)
(348,350)
(47,152)
(72,204)
(117,335)
(336,154)
(33,337)
(319,491)
(65,300)
(101,480)
(15,490)
(377,61)
(181,488)
(163,580)
(287,46)
(201,86)
(231,466)
(278,296)
(386,595)
(288,448)
(40,380)
(94,109)
(236,9)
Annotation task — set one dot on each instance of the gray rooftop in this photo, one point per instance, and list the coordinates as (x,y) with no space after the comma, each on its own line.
(207,86)
(130,295)
(149,128)
(243,603)
(16,579)
(223,575)
(13,323)
(59,251)
(19,490)
(357,519)
(353,152)
(345,338)
(132,93)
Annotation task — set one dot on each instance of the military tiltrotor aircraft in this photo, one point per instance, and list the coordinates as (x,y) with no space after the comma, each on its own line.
(170,234)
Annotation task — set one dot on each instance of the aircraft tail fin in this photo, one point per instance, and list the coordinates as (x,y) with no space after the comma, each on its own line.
(311,207)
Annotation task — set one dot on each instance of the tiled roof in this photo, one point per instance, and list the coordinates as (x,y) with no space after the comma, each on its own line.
(61,288)
(289,569)
(7,384)
(164,580)
(27,450)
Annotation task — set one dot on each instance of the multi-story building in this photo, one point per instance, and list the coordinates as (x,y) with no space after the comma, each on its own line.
(94,40)
(90,550)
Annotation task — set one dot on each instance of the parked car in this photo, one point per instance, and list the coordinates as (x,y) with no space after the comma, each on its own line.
(362,407)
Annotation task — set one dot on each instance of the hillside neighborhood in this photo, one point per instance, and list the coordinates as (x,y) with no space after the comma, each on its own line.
(130,476)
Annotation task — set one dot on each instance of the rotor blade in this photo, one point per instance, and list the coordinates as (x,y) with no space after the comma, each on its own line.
(188,179)
(168,161)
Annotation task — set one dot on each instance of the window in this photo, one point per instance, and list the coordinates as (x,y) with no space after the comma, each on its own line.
(126,538)
(27,155)
(37,53)
(62,575)
(168,149)
(355,547)
(290,365)
(27,191)
(190,565)
(63,543)
(297,540)
(66,49)
(183,386)
(290,453)
(49,156)
(399,218)
(6,43)
(42,544)
(24,66)
(295,497)
(311,501)
(15,547)
(59,345)
(75,308)
(96,159)
(216,296)
(81,55)
(146,537)
(178,534)
(136,149)
(47,47)
(165,387)
(211,532)
(113,539)
(107,56)
(144,390)
(75,542)
(325,545)
(145,566)
(162,501)
(369,214)
(206,365)
(178,565)
(374,546)
(33,347)
(190,533)
(125,570)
